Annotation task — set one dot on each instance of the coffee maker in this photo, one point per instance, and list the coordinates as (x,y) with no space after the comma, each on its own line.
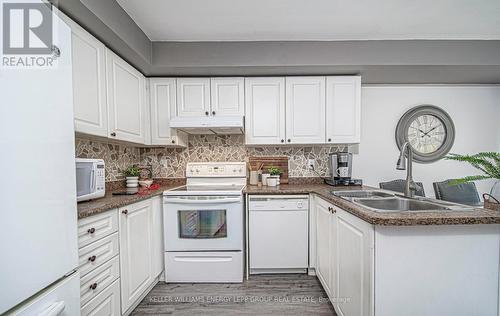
(341,170)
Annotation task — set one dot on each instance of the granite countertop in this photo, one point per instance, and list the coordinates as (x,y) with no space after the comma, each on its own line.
(476,216)
(110,201)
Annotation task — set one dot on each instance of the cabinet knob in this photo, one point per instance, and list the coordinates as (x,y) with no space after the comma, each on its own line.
(92,259)
(213,112)
(93,286)
(329,139)
(289,140)
(113,134)
(206,113)
(282,140)
(125,212)
(173,141)
(91,230)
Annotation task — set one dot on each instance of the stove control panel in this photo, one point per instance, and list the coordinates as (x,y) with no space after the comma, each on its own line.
(216,169)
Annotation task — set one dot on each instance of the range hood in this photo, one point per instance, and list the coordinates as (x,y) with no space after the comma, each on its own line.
(222,125)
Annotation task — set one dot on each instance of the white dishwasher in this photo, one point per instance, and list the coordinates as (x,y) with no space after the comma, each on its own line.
(278,233)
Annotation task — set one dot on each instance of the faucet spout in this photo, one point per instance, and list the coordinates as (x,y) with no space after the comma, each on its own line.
(410,185)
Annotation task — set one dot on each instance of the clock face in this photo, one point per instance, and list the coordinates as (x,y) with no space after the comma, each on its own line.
(426,133)
(429,130)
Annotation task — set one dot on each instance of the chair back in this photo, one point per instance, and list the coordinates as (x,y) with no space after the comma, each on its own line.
(398,185)
(465,193)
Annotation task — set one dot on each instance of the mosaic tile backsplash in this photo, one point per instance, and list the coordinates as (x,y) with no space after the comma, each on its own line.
(171,162)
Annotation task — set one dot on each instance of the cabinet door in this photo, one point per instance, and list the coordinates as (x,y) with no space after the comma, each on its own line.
(126,100)
(136,257)
(265,110)
(193,97)
(107,303)
(158,249)
(324,245)
(305,110)
(89,83)
(353,261)
(227,96)
(343,109)
(162,109)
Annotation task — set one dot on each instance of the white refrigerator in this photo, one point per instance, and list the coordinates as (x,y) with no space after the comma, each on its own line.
(38,216)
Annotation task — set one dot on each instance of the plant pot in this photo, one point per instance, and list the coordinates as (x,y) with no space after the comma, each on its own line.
(272,181)
(132,182)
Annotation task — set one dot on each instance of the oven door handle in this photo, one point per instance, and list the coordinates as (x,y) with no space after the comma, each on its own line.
(211,201)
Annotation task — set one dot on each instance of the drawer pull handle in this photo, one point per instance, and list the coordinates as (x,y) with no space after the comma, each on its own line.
(93,286)
(91,230)
(92,259)
(125,212)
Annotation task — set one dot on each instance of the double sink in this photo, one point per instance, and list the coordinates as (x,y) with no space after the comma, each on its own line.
(388,201)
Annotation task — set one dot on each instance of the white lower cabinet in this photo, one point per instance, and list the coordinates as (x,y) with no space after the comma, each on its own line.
(158,249)
(324,245)
(107,303)
(344,262)
(120,257)
(136,251)
(353,263)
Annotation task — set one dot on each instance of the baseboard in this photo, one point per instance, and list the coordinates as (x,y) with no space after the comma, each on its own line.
(278,271)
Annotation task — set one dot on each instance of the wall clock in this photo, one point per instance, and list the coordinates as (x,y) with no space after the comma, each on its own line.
(429,130)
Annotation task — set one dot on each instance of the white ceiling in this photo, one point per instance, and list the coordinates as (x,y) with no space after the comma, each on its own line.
(266,20)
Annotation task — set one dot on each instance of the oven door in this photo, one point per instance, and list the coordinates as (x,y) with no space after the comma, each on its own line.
(203,223)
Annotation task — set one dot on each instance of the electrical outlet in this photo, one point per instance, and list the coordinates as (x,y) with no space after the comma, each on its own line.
(311,164)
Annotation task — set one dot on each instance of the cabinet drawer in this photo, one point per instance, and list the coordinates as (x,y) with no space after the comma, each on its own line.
(106,303)
(93,228)
(97,253)
(96,281)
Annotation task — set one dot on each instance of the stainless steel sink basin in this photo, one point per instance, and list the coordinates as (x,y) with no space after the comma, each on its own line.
(362,194)
(397,204)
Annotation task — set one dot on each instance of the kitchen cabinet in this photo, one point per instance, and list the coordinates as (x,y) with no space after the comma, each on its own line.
(158,248)
(106,303)
(126,89)
(325,245)
(344,258)
(193,97)
(227,96)
(343,109)
(89,82)
(353,263)
(265,110)
(305,110)
(162,109)
(136,252)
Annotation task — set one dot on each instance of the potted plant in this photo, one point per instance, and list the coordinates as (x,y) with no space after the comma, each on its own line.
(274,177)
(132,175)
(486,162)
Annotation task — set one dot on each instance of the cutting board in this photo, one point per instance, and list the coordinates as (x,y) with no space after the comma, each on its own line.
(271,161)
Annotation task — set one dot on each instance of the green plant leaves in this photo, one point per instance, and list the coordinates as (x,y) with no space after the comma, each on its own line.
(486,162)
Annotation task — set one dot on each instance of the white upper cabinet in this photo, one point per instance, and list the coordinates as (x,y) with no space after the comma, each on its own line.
(162,108)
(265,110)
(193,97)
(305,110)
(126,90)
(227,96)
(343,109)
(89,83)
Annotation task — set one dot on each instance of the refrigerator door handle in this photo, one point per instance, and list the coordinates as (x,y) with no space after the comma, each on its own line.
(54,309)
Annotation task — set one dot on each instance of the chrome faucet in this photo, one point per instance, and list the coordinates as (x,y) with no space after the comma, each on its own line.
(406,163)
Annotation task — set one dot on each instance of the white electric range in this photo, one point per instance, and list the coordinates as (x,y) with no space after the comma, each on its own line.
(203,224)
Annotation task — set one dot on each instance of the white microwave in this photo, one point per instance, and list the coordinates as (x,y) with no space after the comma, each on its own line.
(90,179)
